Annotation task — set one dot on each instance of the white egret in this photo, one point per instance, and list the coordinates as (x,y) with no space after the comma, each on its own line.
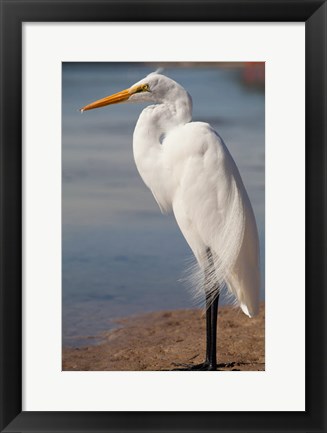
(190,171)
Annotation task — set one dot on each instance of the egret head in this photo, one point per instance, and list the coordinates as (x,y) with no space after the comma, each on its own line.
(155,88)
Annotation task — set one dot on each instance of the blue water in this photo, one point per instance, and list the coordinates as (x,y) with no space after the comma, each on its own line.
(120,255)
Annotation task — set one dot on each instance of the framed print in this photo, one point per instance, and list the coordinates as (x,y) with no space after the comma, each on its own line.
(97,332)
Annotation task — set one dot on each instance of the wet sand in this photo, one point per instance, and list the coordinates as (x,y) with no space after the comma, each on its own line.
(157,341)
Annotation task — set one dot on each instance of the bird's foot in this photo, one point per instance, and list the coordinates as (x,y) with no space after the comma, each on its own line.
(204,366)
(227,364)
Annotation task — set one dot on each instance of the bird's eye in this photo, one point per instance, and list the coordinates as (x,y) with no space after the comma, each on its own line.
(142,88)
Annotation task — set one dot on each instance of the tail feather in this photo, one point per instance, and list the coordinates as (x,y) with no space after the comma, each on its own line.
(234,267)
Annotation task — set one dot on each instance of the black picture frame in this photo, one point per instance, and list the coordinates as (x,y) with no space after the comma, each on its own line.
(13,14)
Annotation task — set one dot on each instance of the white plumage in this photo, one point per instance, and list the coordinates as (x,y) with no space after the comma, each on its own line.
(190,171)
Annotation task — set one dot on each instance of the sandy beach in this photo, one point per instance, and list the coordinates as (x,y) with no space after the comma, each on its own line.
(158,341)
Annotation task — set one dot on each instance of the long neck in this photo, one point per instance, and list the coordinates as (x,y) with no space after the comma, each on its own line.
(153,125)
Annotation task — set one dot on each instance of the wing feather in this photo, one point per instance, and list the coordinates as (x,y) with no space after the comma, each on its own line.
(213,211)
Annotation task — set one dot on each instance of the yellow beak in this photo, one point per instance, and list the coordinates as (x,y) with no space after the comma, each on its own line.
(112,99)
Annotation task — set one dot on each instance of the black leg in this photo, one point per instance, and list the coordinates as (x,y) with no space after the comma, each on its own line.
(208,331)
(211,315)
(212,355)
(210,362)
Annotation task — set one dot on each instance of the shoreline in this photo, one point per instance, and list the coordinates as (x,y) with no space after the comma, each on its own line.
(156,341)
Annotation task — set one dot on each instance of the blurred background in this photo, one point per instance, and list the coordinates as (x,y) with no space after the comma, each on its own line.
(120,255)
